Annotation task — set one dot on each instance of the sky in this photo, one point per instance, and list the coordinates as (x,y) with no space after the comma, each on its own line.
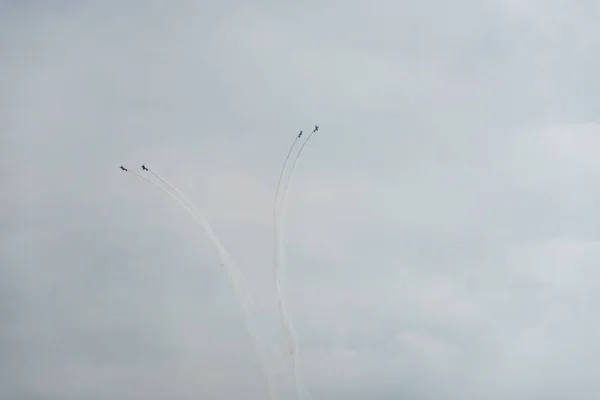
(441,230)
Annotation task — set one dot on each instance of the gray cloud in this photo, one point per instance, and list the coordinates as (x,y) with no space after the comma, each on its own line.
(441,231)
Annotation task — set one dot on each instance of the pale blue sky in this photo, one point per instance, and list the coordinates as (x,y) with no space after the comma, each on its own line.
(442,228)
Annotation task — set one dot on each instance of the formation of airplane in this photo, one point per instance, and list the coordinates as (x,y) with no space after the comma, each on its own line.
(314,130)
(299,136)
(125,169)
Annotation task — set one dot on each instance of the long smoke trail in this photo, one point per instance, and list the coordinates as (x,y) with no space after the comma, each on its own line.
(280,251)
(277,256)
(210,232)
(227,264)
(278,266)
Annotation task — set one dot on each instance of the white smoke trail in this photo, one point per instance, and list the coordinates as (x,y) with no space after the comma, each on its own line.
(277,268)
(226,262)
(281,267)
(277,262)
(210,232)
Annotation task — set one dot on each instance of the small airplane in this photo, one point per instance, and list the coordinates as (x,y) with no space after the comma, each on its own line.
(300,134)
(316,128)
(144,168)
(123,168)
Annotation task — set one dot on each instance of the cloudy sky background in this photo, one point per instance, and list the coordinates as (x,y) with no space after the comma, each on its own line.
(442,228)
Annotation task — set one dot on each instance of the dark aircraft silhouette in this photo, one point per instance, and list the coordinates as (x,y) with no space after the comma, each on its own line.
(300,134)
(123,168)
(144,168)
(316,128)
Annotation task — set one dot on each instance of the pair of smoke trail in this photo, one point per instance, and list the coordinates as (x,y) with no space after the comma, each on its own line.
(238,282)
(240,287)
(279,262)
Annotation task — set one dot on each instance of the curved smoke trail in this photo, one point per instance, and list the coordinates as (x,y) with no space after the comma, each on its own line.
(277,255)
(279,209)
(281,251)
(287,322)
(210,232)
(227,264)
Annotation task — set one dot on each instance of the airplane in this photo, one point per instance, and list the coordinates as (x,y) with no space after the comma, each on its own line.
(300,134)
(123,168)
(316,128)
(144,168)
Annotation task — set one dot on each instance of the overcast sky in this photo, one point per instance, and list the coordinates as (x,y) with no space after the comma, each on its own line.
(442,229)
